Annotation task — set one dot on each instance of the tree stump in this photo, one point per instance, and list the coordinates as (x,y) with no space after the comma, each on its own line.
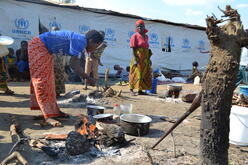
(218,86)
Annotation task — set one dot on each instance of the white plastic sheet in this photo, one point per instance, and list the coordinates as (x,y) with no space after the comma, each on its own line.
(21,20)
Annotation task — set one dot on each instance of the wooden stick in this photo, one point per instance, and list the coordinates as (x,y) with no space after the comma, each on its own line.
(106,78)
(174,144)
(195,104)
(15,155)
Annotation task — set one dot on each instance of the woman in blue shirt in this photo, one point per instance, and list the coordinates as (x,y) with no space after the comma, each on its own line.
(41,65)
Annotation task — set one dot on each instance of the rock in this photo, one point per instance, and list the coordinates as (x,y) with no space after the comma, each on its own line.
(189,97)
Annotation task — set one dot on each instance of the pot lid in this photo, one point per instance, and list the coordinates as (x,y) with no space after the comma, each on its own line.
(135,118)
(102,116)
(95,107)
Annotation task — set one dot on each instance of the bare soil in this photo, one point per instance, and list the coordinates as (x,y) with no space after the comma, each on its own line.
(186,135)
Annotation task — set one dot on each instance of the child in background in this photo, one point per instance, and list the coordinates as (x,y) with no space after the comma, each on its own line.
(122,73)
(156,74)
(10,60)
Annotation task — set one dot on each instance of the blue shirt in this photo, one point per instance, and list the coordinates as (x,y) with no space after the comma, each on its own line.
(68,42)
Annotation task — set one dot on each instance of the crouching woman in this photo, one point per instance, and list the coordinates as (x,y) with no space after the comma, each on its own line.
(41,64)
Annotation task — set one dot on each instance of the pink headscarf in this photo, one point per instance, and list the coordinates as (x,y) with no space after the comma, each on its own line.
(140,21)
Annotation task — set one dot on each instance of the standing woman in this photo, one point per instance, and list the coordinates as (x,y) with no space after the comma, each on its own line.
(140,76)
(41,64)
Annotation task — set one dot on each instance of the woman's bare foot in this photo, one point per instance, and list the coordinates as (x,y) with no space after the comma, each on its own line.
(53,122)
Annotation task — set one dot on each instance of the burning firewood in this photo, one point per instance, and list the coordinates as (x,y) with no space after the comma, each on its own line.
(86,126)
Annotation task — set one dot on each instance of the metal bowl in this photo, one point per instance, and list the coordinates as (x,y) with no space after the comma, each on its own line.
(135,124)
(94,110)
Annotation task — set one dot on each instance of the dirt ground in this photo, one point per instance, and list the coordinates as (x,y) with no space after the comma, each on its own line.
(186,135)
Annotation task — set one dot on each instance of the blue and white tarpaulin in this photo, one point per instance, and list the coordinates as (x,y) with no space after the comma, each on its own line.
(20,20)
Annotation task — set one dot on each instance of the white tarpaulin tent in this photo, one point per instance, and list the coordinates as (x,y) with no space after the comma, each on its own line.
(174,46)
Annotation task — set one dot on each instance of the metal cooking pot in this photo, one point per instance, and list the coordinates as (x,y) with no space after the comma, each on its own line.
(135,124)
(94,110)
(174,87)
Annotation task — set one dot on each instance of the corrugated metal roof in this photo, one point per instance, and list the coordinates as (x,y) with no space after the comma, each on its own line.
(109,12)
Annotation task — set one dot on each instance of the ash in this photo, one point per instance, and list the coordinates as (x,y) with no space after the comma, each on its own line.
(74,99)
(95,156)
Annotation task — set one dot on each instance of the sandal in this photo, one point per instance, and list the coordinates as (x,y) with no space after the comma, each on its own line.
(132,93)
(9,92)
(142,93)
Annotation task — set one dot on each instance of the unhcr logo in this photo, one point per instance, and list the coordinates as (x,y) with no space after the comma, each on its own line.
(21,25)
(201,45)
(186,43)
(110,35)
(54,24)
(153,39)
(83,29)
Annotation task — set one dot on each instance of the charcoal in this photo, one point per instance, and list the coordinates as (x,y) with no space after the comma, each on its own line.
(76,143)
(50,151)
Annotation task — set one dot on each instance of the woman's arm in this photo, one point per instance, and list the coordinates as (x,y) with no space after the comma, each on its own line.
(136,60)
(77,67)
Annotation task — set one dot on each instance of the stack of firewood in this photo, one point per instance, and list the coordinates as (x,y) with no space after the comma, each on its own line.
(240,99)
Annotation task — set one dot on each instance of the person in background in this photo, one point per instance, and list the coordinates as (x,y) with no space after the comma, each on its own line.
(242,76)
(40,53)
(59,70)
(156,74)
(122,73)
(22,61)
(93,60)
(140,76)
(10,61)
(4,76)
(195,72)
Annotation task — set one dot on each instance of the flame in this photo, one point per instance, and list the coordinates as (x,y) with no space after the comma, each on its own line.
(87,128)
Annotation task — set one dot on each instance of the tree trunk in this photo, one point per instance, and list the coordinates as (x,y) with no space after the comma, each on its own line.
(218,86)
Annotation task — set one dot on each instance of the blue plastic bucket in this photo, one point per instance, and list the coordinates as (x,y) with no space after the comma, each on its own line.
(243,90)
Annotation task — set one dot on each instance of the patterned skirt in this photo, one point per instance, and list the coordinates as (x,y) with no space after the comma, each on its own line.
(140,76)
(42,86)
(59,72)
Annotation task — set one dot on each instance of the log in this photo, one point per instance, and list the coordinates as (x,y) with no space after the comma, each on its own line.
(55,136)
(13,156)
(15,130)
